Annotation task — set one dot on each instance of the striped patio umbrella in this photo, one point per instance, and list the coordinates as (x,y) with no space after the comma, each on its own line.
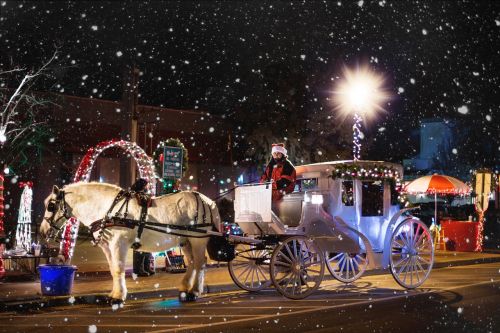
(437,184)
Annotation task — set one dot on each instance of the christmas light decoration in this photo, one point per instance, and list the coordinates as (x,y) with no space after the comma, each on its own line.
(169,185)
(1,206)
(144,162)
(484,182)
(356,144)
(23,229)
(367,172)
(68,239)
(360,92)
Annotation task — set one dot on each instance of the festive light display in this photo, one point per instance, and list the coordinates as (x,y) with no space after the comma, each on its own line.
(359,92)
(144,162)
(23,229)
(169,185)
(171,142)
(1,206)
(356,144)
(68,239)
(367,172)
(485,181)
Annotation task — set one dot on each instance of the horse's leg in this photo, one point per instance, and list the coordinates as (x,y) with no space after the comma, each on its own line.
(119,248)
(107,253)
(198,246)
(188,279)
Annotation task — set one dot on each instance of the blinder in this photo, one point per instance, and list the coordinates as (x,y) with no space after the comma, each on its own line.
(53,206)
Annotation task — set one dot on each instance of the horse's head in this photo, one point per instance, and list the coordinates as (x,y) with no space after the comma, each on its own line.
(56,213)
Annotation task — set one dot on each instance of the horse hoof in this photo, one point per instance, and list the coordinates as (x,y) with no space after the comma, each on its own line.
(116,303)
(187,297)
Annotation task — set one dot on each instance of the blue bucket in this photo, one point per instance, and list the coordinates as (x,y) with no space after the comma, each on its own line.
(56,280)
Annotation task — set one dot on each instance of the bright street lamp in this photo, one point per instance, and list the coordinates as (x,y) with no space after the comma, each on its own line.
(359,92)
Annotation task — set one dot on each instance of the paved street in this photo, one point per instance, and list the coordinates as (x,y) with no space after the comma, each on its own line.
(456,299)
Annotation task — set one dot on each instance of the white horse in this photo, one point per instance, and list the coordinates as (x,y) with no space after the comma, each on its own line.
(89,202)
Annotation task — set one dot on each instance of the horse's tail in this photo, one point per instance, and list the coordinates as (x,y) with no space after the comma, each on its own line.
(210,211)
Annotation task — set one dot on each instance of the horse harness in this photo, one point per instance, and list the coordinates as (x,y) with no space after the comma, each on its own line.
(120,219)
(53,206)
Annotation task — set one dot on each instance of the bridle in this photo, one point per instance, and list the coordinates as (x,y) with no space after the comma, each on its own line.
(54,206)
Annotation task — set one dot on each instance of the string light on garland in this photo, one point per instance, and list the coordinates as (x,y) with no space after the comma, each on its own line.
(23,229)
(68,239)
(367,172)
(144,162)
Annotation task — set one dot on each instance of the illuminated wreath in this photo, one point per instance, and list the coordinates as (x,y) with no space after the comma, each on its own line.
(158,154)
(144,162)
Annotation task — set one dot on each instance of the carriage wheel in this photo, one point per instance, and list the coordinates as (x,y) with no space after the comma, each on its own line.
(250,267)
(346,267)
(412,253)
(297,267)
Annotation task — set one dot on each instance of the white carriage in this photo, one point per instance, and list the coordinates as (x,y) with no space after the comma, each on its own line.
(343,215)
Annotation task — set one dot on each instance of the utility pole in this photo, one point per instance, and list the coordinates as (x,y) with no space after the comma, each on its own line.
(129,123)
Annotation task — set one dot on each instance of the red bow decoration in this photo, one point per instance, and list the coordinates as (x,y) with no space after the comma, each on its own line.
(28,183)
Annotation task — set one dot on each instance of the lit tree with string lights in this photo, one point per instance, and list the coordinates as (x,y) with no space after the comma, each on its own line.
(18,122)
(361,93)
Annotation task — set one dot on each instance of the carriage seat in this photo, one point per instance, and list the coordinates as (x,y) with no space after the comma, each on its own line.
(289,209)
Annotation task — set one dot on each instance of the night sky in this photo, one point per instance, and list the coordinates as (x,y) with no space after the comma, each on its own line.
(440,58)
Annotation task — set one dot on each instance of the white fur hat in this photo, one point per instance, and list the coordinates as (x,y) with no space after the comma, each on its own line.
(279,148)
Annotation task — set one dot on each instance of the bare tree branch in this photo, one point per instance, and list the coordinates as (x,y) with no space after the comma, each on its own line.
(9,109)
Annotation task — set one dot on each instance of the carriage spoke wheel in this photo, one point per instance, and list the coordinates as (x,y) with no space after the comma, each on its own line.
(346,267)
(412,253)
(297,267)
(250,267)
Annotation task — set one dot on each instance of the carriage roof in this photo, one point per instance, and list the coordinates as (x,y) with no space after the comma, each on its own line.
(326,168)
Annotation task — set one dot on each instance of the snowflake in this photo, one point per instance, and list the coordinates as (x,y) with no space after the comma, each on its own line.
(424,32)
(463,109)
(92,328)
(94,27)
(119,54)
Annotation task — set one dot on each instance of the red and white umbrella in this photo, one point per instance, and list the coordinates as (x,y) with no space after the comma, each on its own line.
(437,184)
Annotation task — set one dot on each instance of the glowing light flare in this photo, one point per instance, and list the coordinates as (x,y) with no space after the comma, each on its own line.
(361,91)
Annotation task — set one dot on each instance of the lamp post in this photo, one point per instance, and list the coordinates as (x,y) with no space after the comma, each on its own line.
(360,92)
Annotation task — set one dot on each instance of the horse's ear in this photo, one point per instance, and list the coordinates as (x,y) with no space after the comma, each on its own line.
(55,190)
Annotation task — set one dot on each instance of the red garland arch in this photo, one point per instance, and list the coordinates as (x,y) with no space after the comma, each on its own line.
(144,162)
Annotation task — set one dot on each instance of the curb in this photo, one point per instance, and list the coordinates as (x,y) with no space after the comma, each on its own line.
(39,302)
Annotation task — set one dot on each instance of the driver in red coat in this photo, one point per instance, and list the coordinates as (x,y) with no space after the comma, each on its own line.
(281,171)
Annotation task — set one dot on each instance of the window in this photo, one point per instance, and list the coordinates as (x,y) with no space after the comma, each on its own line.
(373,198)
(302,185)
(347,193)
(394,194)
